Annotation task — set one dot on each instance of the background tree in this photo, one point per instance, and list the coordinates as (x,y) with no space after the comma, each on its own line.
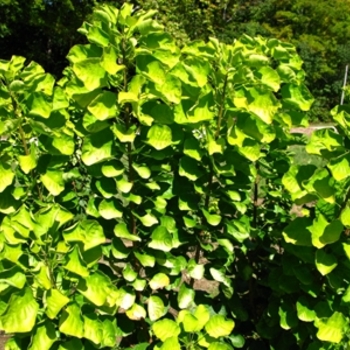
(42,30)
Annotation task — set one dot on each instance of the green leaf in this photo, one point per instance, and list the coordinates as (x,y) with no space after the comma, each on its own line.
(110,209)
(109,61)
(95,288)
(345,216)
(146,260)
(93,328)
(127,97)
(340,167)
(89,232)
(98,36)
(119,250)
(74,344)
(213,219)
(325,263)
(155,308)
(159,136)
(8,204)
(91,73)
(59,99)
(142,170)
(159,281)
(170,89)
(219,346)
(28,162)
(161,239)
(80,52)
(239,230)
(202,314)
(21,312)
(202,110)
(297,232)
(6,176)
(171,343)
(53,181)
(185,298)
(58,145)
(151,68)
(136,313)
(123,134)
(195,270)
(139,284)
(216,146)
(189,169)
(55,301)
(109,333)
(165,329)
(220,276)
(190,323)
(305,312)
(320,183)
(237,340)
(39,104)
(44,336)
(126,298)
(297,96)
(198,69)
(98,147)
(43,277)
(12,344)
(218,326)
(332,232)
(13,277)
(121,231)
(104,106)
(270,78)
(324,140)
(332,329)
(71,323)
(259,101)
(107,187)
(75,263)
(124,185)
(129,273)
(192,149)
(112,168)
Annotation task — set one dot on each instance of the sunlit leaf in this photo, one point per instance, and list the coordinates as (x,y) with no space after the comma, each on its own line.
(20,314)
(219,326)
(165,329)
(71,323)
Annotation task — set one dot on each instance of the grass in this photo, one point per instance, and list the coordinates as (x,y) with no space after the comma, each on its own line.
(301,157)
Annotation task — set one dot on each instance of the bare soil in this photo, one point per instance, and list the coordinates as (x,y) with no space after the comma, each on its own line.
(308,131)
(3,339)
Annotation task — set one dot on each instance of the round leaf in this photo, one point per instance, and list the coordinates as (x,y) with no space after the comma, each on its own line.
(218,326)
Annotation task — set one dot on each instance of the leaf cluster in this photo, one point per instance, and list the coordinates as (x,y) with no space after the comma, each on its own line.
(145,197)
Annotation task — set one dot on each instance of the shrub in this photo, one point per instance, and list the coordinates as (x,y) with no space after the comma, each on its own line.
(145,197)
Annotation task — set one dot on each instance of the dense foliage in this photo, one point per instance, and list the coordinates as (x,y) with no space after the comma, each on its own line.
(45,30)
(145,198)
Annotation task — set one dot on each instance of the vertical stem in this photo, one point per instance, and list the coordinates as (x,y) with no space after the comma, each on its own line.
(256,197)
(24,142)
(23,138)
(222,106)
(129,149)
(211,174)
